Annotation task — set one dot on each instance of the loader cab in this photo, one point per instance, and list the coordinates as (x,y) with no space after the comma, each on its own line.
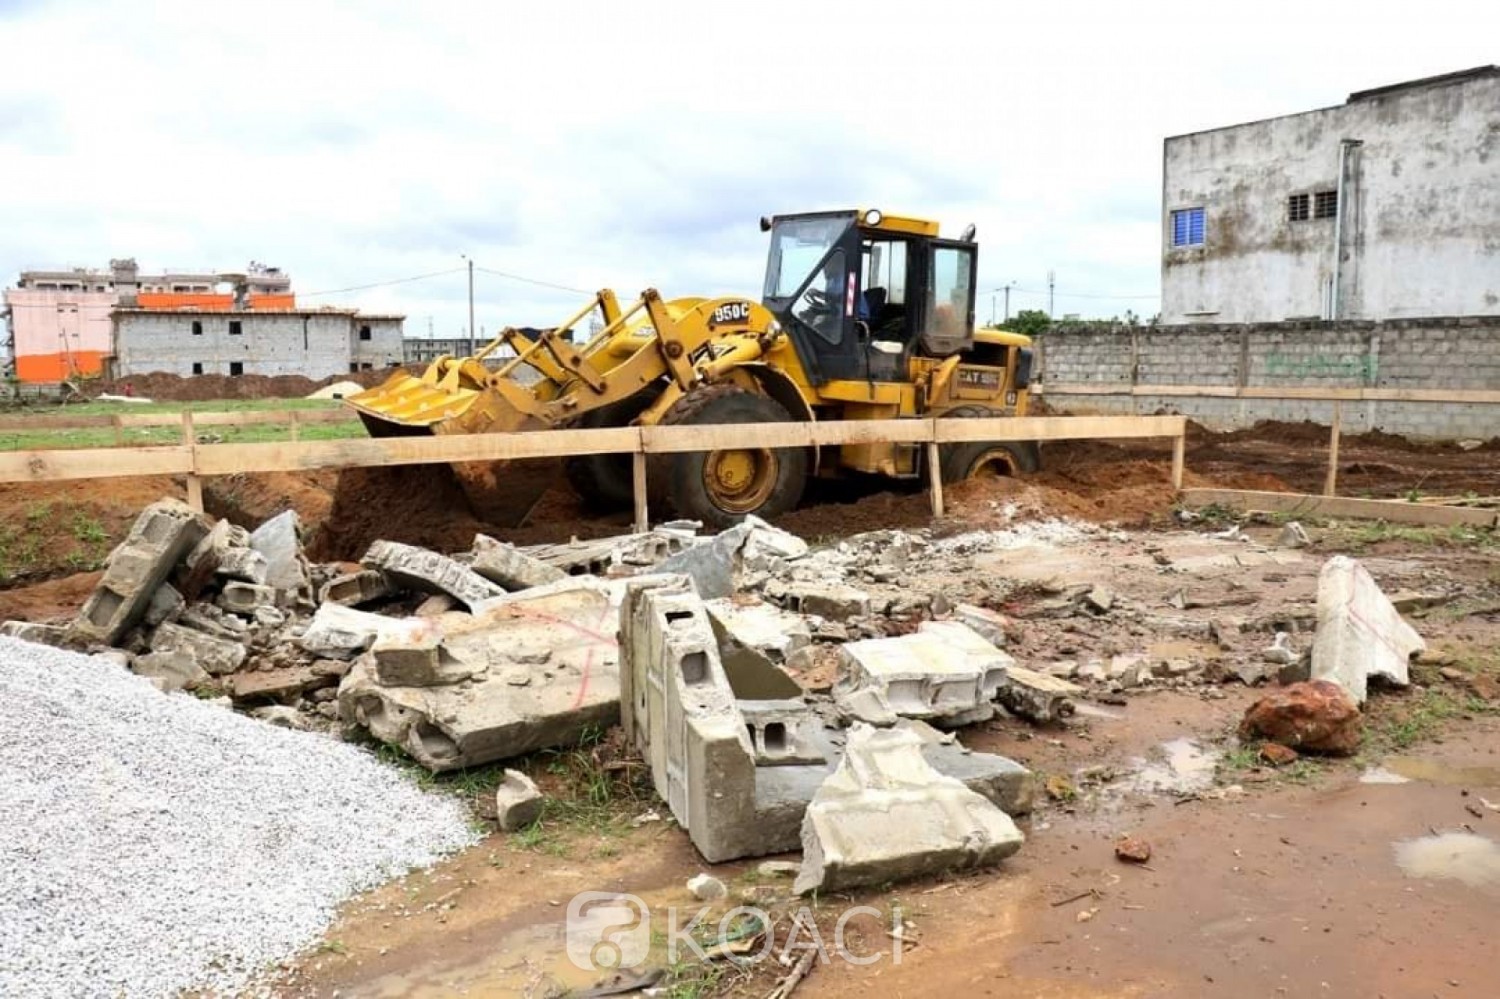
(861,293)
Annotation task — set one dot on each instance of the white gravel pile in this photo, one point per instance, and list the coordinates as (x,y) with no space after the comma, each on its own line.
(151,844)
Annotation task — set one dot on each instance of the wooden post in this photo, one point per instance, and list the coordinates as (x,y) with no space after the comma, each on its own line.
(194,483)
(1331,484)
(935,478)
(638,487)
(294,421)
(189,438)
(119,426)
(1179,458)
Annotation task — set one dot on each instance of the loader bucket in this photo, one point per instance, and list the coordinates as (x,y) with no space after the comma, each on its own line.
(404,404)
(448,398)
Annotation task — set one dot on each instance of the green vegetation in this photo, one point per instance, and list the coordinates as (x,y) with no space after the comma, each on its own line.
(48,438)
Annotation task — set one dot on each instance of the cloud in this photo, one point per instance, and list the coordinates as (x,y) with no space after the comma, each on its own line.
(594,143)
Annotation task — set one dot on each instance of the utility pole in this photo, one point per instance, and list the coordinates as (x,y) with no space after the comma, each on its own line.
(473,343)
(1007,299)
(1051,294)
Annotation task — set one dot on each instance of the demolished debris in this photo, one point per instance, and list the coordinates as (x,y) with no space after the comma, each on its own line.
(518,803)
(944,672)
(886,815)
(510,567)
(430,572)
(1360,635)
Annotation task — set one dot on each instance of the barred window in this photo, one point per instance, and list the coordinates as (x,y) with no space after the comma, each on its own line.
(1297,208)
(1325,204)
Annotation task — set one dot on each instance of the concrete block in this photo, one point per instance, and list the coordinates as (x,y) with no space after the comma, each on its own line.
(518,803)
(418,661)
(760,627)
(429,572)
(835,601)
(217,656)
(1036,696)
(509,566)
(987,624)
(243,564)
(558,641)
(163,534)
(784,733)
(169,671)
(944,672)
(286,567)
(886,815)
(1359,633)
(165,605)
(245,598)
(212,620)
(339,632)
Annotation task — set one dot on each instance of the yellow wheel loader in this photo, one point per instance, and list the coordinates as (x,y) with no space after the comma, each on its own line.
(863,316)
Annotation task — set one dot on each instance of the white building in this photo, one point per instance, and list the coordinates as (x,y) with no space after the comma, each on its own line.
(1384,207)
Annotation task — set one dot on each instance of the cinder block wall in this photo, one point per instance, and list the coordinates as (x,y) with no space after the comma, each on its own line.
(267,344)
(1428,355)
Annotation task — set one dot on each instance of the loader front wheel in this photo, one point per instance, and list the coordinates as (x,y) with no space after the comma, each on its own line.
(965,461)
(721,487)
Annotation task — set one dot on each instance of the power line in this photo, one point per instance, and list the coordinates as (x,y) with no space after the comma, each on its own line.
(535,281)
(379,284)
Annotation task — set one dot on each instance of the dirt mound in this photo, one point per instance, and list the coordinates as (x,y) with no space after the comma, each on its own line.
(251,499)
(165,387)
(48,601)
(51,529)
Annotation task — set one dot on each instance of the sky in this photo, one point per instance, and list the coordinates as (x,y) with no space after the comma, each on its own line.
(583,145)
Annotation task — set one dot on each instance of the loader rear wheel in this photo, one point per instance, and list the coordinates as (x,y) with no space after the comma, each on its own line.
(721,487)
(964,461)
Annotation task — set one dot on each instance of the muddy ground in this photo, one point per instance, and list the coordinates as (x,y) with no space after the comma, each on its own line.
(1262,882)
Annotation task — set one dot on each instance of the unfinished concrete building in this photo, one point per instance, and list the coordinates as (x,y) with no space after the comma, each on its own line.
(1383,207)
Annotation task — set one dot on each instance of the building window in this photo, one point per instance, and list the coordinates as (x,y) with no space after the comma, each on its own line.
(197,365)
(366,366)
(235,329)
(1187,227)
(1297,208)
(197,327)
(364,332)
(236,367)
(1325,204)
(353,367)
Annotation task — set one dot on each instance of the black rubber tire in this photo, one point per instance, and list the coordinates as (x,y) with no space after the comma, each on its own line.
(677,480)
(957,460)
(603,481)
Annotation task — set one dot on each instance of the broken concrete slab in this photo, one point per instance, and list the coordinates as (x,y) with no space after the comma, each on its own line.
(561,635)
(239,597)
(518,803)
(512,568)
(163,534)
(987,624)
(287,569)
(340,632)
(419,661)
(886,815)
(354,588)
(170,671)
(944,672)
(429,572)
(243,564)
(218,656)
(203,560)
(1036,696)
(758,626)
(277,684)
(1359,634)
(213,620)
(1293,535)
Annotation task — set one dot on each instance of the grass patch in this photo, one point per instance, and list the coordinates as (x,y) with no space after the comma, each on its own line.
(1363,535)
(1395,722)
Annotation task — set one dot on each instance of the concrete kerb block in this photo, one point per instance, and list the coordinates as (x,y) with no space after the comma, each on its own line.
(510,567)
(1037,696)
(1359,633)
(430,572)
(886,815)
(163,534)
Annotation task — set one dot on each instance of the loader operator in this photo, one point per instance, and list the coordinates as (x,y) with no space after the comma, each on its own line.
(822,309)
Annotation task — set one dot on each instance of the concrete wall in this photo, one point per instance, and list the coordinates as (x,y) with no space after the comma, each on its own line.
(384,346)
(1422,224)
(311,344)
(59,334)
(1427,355)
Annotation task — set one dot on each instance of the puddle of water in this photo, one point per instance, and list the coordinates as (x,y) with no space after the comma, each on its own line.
(1474,860)
(1415,768)
(1185,767)
(1380,775)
